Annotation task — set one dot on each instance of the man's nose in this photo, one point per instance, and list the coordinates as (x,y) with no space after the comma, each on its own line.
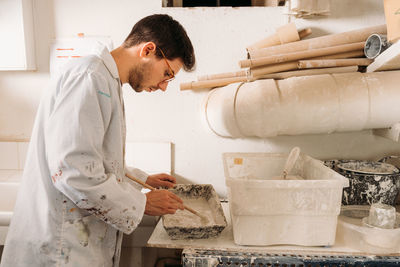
(163,86)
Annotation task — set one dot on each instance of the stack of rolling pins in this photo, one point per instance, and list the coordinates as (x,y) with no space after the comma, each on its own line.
(284,54)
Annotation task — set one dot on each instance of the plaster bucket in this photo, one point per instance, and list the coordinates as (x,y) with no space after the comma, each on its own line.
(370,182)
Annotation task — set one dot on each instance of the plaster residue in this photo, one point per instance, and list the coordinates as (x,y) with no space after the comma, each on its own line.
(370,182)
(184,218)
(83,233)
(65,251)
(186,225)
(369,167)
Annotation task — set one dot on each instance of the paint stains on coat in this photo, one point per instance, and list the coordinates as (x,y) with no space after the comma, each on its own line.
(90,166)
(65,251)
(45,248)
(57,175)
(82,232)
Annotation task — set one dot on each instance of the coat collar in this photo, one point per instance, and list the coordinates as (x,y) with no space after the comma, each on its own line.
(102,51)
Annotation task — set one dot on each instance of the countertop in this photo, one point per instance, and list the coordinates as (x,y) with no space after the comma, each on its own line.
(225,241)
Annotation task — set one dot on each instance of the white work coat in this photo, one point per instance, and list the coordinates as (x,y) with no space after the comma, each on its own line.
(75,203)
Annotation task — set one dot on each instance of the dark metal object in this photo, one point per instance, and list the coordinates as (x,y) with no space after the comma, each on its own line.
(218,258)
(368,182)
(375,45)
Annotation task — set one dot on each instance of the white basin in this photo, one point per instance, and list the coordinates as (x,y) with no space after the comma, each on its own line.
(8,195)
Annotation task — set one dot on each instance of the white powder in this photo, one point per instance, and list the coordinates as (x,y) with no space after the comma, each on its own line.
(184,218)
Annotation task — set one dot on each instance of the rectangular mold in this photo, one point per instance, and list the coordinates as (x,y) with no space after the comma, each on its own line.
(185,225)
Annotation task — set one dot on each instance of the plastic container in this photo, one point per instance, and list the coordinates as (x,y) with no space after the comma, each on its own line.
(354,234)
(267,211)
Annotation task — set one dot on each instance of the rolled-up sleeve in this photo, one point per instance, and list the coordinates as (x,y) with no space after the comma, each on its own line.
(74,144)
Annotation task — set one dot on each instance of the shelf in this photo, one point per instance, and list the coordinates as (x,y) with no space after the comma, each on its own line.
(225,242)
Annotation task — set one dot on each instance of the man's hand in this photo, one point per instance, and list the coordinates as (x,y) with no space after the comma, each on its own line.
(160,202)
(161,180)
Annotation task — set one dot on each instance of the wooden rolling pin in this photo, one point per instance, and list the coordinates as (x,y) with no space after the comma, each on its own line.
(300,55)
(152,189)
(327,63)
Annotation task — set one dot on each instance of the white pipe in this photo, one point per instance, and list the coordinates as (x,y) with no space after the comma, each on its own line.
(305,105)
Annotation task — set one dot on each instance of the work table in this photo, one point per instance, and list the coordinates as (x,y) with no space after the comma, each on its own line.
(225,242)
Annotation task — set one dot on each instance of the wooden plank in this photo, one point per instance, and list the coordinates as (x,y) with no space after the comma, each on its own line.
(388,60)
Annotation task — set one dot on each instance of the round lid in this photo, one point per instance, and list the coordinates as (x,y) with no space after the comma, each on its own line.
(368,167)
(373,46)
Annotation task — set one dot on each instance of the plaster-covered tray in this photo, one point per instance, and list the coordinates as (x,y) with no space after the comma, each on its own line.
(186,225)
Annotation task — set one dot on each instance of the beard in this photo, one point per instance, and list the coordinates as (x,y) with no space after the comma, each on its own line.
(137,76)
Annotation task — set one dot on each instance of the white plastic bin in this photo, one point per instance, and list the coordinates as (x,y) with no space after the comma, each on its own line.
(268,211)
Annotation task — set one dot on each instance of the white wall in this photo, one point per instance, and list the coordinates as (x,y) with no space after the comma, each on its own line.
(220,36)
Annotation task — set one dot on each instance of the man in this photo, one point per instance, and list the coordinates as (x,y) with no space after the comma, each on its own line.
(75,202)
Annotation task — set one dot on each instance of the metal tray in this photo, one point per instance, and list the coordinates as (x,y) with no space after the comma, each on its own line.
(185,225)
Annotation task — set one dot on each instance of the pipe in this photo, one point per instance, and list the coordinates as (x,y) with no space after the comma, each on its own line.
(327,63)
(212,83)
(300,55)
(308,72)
(284,34)
(351,54)
(355,36)
(208,84)
(317,104)
(282,67)
(223,75)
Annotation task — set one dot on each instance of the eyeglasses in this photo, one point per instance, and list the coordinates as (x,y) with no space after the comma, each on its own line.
(171,73)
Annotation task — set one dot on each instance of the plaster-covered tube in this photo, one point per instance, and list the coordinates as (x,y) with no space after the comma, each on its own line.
(305,105)
(220,110)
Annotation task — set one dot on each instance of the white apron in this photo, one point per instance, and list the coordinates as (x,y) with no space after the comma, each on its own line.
(74,201)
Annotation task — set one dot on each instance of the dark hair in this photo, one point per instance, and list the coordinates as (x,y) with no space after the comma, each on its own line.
(167,34)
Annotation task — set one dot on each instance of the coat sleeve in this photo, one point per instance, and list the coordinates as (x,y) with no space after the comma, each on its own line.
(137,173)
(74,144)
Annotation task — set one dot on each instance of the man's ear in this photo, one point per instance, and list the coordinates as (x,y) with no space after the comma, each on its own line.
(147,49)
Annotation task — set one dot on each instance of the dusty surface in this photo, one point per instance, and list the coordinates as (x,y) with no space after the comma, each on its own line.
(368,167)
(357,233)
(224,241)
(184,218)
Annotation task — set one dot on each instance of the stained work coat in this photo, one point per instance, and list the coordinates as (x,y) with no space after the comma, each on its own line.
(74,201)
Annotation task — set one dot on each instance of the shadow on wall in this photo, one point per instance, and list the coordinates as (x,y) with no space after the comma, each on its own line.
(20,91)
(345,145)
(355,9)
(43,14)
